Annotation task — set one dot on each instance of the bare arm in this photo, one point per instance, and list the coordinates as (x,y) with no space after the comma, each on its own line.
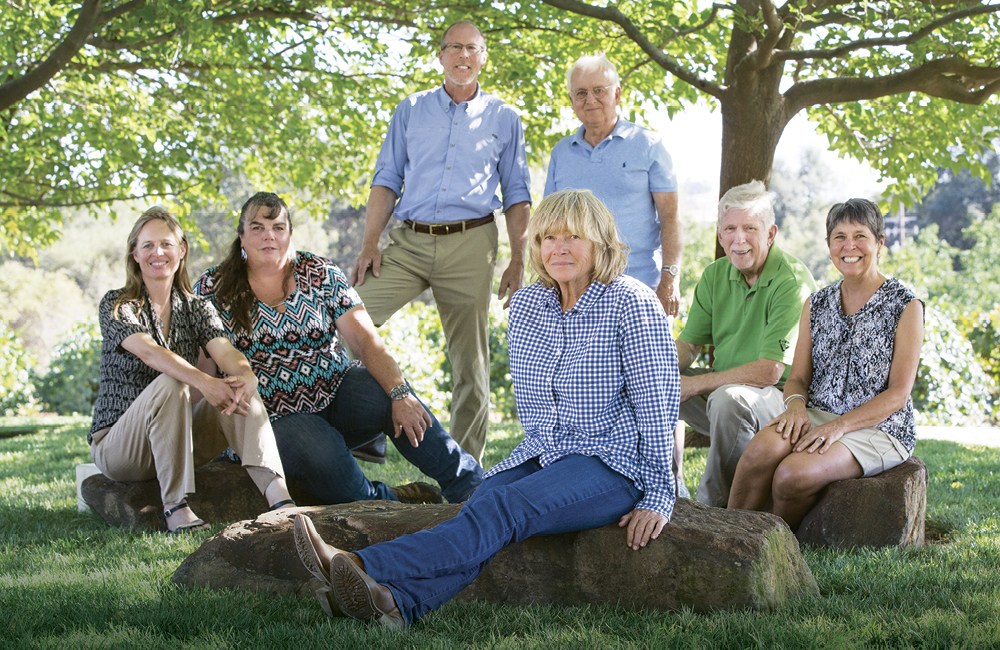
(902,374)
(686,354)
(381,202)
(517,225)
(760,373)
(216,391)
(359,333)
(793,423)
(672,246)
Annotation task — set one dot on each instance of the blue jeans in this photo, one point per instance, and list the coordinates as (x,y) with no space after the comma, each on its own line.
(426,569)
(316,447)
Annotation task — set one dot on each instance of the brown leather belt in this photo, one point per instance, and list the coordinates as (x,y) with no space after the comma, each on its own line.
(438,229)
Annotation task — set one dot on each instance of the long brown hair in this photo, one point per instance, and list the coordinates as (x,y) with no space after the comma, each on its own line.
(233,292)
(133,274)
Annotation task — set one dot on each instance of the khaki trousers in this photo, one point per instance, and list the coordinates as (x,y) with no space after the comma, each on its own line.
(162,436)
(731,416)
(458,268)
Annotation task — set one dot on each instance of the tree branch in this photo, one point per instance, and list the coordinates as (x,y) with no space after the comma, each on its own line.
(885,42)
(612,14)
(105,44)
(26,201)
(952,78)
(14,90)
(775,28)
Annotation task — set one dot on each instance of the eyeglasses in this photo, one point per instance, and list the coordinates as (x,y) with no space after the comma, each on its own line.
(598,92)
(456,48)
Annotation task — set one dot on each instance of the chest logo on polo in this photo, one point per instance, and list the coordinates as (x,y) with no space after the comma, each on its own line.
(784,345)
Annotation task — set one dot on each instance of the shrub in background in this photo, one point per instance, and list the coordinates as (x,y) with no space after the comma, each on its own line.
(70,385)
(952,386)
(16,389)
(415,338)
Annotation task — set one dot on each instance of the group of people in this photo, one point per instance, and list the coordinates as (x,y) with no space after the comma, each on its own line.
(805,387)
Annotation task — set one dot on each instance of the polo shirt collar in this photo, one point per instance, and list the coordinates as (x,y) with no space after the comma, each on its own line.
(617,132)
(767,274)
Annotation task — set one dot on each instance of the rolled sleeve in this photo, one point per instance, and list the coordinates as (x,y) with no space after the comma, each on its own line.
(515,179)
(391,162)
(116,330)
(661,169)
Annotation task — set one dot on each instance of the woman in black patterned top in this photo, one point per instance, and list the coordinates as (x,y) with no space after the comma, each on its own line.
(848,408)
(144,425)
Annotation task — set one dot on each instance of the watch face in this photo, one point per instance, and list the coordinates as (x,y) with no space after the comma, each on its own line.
(673,269)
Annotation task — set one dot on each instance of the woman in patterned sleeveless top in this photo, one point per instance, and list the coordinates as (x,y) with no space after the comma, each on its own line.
(848,408)
(144,425)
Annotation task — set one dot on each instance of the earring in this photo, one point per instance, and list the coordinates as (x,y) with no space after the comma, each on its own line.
(243,254)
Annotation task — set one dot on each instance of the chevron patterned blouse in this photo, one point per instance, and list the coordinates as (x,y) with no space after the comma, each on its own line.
(296,355)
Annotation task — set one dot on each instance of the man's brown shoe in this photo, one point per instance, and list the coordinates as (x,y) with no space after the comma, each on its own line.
(358,596)
(418,493)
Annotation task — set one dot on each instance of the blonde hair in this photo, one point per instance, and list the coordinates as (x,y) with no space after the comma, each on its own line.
(133,273)
(583,214)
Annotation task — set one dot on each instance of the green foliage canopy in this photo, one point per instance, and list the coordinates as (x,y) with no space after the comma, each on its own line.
(156,100)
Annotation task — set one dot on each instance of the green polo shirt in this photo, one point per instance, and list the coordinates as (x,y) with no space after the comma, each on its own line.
(750,323)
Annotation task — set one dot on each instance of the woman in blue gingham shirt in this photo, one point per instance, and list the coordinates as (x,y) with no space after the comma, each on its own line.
(596,381)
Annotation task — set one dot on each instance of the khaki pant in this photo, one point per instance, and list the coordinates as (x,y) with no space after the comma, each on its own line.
(731,416)
(458,268)
(162,436)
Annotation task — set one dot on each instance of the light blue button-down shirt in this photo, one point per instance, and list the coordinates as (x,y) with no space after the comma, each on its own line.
(622,171)
(453,157)
(599,379)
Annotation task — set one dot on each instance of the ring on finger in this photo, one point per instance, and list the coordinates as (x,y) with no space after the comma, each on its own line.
(821,439)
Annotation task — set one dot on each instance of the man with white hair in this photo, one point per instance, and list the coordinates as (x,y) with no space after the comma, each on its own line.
(629,170)
(747,304)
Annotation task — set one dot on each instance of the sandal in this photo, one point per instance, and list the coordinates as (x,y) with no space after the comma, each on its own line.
(287,503)
(197,524)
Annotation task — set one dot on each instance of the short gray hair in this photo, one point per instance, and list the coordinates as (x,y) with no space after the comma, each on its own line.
(471,24)
(859,211)
(753,197)
(594,62)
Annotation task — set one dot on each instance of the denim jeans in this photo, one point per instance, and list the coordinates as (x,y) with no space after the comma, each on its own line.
(426,569)
(316,447)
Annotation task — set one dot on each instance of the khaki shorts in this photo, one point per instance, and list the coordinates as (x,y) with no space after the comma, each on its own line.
(874,449)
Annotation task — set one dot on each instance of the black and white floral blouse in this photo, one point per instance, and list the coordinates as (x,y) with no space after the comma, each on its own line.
(851,355)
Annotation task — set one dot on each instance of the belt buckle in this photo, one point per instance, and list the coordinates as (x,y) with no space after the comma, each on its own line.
(432,226)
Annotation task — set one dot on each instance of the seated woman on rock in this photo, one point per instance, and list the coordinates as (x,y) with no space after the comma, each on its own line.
(595,378)
(848,408)
(286,311)
(144,425)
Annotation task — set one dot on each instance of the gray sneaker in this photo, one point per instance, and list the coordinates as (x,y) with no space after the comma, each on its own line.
(418,493)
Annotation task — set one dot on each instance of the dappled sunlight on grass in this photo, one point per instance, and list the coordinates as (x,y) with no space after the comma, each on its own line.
(69,581)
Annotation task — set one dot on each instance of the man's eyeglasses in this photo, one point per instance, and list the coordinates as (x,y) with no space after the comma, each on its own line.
(456,48)
(598,92)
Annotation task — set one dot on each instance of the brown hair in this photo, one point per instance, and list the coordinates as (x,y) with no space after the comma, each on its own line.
(133,274)
(582,213)
(233,292)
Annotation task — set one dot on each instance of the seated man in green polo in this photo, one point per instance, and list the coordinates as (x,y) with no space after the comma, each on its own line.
(747,305)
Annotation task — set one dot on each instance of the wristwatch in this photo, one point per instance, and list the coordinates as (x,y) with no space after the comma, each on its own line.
(673,269)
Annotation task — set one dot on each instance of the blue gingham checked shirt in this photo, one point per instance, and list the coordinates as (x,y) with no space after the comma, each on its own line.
(597,380)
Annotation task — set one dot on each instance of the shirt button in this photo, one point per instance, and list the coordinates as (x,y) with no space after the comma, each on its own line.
(448,167)
(443,189)
(452,145)
(439,212)
(456,123)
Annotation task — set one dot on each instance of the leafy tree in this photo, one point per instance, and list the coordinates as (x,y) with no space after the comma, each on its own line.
(71,383)
(16,389)
(958,198)
(150,99)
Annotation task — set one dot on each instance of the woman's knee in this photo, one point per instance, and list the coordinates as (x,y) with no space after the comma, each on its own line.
(794,479)
(766,449)
(167,390)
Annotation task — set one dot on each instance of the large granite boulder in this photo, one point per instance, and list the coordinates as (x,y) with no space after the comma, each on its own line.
(887,509)
(706,558)
(225,492)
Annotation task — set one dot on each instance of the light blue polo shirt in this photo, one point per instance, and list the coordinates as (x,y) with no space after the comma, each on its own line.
(453,157)
(622,171)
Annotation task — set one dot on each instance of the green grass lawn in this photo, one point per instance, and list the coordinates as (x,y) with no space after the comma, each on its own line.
(68,581)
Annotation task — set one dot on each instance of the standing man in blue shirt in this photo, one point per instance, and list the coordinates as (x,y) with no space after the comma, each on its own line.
(451,146)
(629,170)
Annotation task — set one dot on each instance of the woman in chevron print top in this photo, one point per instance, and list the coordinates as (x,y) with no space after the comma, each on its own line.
(287,312)
(848,408)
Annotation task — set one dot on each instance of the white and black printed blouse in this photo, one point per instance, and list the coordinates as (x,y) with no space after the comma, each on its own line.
(193,323)
(851,355)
